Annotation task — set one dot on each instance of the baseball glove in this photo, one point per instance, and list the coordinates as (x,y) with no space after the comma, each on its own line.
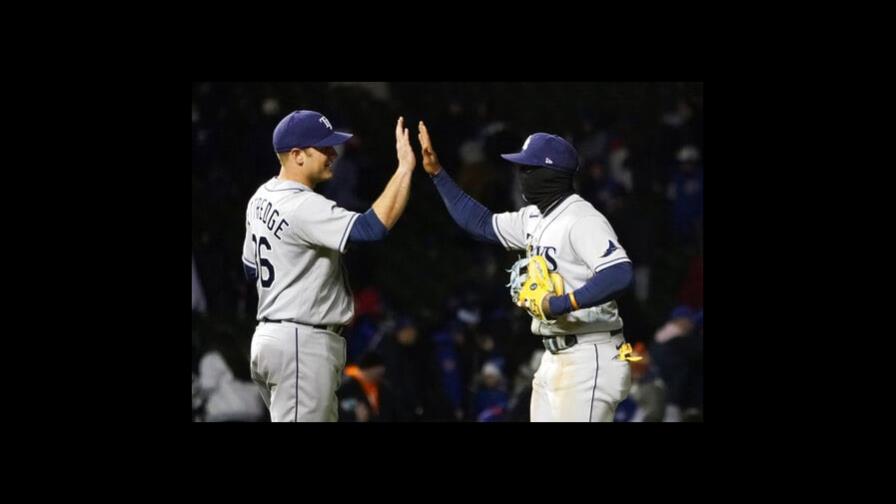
(518,278)
(538,283)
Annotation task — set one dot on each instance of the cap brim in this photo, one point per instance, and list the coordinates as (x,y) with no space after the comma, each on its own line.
(520,158)
(335,139)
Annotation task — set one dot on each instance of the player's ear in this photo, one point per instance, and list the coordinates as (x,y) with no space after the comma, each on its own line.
(300,156)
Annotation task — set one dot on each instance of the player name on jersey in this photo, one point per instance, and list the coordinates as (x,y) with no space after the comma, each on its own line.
(269,216)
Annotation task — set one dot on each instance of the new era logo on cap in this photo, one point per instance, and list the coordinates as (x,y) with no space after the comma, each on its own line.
(547,160)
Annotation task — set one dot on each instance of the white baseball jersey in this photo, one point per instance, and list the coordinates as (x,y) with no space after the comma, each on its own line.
(577,241)
(295,239)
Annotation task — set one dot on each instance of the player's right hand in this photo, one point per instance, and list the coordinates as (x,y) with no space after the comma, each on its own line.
(406,158)
(430,160)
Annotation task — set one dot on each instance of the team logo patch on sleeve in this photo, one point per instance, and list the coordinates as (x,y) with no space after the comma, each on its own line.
(612,248)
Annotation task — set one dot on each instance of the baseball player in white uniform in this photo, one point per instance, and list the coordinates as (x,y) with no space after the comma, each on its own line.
(584,373)
(293,250)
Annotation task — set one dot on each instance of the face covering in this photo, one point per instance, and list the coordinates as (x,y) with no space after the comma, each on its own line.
(543,186)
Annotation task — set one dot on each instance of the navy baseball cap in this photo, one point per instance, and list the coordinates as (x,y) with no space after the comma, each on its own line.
(549,151)
(306,128)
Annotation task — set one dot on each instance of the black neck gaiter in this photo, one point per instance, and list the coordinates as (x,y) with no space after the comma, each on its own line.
(543,186)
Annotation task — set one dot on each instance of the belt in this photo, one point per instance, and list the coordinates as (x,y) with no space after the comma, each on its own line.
(554,344)
(333,328)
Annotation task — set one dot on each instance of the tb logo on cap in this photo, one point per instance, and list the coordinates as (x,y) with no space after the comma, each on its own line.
(326,122)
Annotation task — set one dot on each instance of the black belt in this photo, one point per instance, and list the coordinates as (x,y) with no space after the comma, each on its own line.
(333,328)
(554,344)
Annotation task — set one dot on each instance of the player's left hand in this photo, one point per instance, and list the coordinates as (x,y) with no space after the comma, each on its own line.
(540,285)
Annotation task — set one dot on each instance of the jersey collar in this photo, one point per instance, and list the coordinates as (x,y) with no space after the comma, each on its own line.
(276,183)
(563,202)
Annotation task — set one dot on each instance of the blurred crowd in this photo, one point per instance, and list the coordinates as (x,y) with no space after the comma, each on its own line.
(435,336)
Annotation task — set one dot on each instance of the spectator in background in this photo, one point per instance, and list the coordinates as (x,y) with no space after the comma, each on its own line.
(486,350)
(467,320)
(600,189)
(686,194)
(679,126)
(411,367)
(447,342)
(222,388)
(617,164)
(226,398)
(491,398)
(595,142)
(521,396)
(364,396)
(678,353)
(366,329)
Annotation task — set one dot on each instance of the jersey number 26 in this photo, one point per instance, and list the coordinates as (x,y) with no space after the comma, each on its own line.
(262,262)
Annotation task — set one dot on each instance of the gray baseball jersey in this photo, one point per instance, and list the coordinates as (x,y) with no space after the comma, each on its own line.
(577,241)
(295,239)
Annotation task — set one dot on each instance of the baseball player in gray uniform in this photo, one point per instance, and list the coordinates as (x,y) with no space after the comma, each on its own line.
(293,250)
(580,267)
